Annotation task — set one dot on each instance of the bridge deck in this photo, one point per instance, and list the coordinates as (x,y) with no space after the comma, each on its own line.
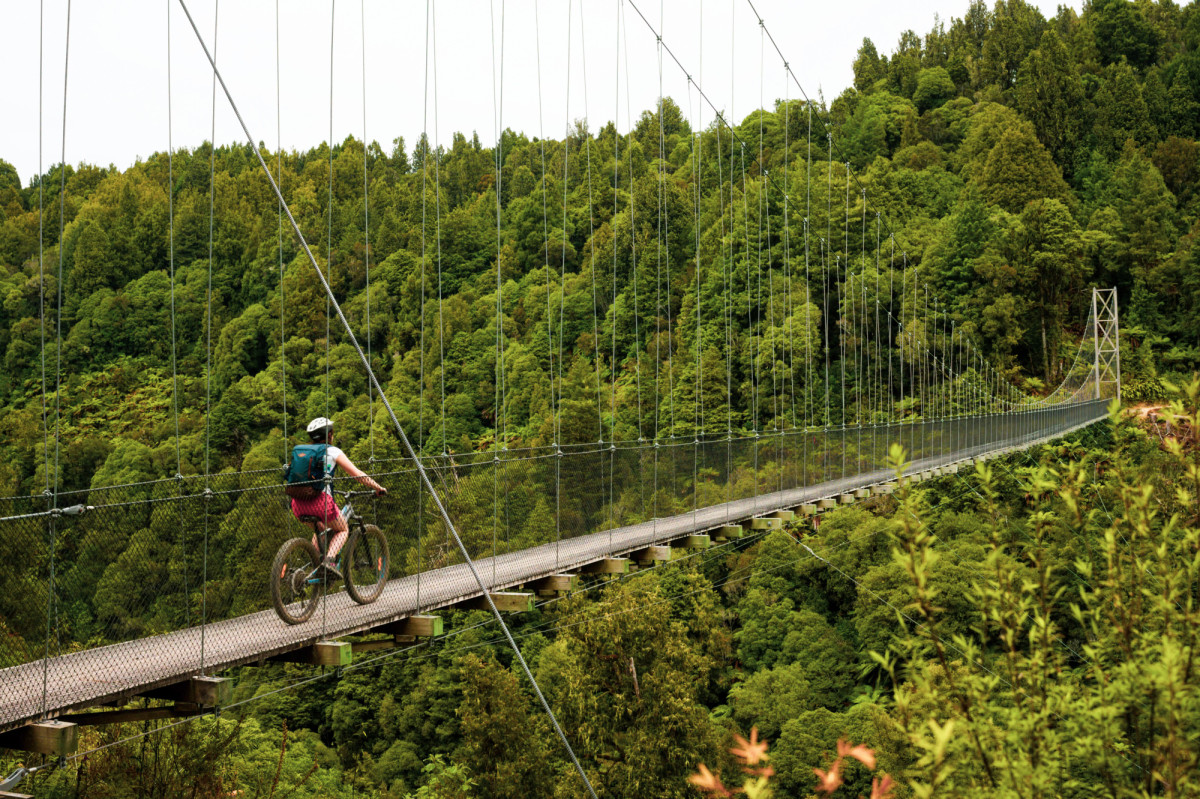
(112,673)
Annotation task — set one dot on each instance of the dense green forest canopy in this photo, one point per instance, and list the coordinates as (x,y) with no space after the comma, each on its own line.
(1027,630)
(1017,159)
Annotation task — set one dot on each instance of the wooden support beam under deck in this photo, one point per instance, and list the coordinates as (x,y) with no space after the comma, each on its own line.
(322,653)
(728,531)
(699,541)
(763,523)
(203,691)
(883,488)
(846,499)
(553,584)
(862,493)
(649,555)
(607,566)
(59,738)
(505,602)
(783,515)
(135,714)
(808,509)
(416,626)
(826,504)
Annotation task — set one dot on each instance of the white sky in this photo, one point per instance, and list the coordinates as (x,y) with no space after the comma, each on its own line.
(117,91)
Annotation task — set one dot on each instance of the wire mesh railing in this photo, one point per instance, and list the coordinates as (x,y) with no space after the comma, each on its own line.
(187,558)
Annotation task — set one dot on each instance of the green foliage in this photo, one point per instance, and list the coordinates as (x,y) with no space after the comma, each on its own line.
(1018,160)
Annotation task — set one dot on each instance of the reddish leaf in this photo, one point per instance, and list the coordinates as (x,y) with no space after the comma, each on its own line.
(829,782)
(881,788)
(705,780)
(750,751)
(862,753)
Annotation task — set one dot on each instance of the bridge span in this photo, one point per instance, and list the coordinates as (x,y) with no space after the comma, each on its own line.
(174,664)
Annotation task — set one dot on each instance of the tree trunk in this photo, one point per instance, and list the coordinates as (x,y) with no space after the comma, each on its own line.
(1045,351)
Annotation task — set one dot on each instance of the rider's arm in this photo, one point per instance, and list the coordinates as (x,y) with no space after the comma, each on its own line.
(358,474)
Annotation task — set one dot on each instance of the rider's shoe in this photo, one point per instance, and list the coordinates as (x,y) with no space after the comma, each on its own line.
(330,568)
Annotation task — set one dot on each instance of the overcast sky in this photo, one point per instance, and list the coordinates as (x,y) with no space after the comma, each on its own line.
(117,107)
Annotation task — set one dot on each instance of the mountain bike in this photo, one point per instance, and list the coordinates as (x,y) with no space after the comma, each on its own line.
(298,579)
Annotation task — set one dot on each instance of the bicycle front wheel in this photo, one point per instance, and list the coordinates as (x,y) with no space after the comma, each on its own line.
(366,564)
(295,584)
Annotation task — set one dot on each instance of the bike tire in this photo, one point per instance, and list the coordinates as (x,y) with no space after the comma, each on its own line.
(366,564)
(294,595)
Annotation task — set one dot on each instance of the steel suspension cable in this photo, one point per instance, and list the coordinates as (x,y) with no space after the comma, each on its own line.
(424,148)
(407,444)
(52,528)
(562,297)
(592,224)
(41,243)
(212,192)
(698,387)
(637,338)
(278,249)
(362,14)
(174,362)
(501,435)
(612,403)
(329,270)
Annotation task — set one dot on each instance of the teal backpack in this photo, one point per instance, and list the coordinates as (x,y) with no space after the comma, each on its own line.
(305,474)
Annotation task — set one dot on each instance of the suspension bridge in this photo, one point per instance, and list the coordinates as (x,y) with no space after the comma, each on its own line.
(841,353)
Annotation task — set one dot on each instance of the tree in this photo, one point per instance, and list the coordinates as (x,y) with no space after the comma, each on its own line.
(1122,32)
(1051,248)
(1050,94)
(622,684)
(869,68)
(1121,112)
(1018,170)
(1015,31)
(905,64)
(934,87)
(1184,108)
(951,258)
(505,745)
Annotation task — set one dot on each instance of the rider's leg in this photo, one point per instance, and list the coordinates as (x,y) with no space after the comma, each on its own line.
(341,530)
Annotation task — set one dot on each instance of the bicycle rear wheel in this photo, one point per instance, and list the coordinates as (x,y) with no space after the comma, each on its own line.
(295,585)
(366,564)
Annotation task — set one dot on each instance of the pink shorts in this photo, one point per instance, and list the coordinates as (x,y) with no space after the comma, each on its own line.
(322,507)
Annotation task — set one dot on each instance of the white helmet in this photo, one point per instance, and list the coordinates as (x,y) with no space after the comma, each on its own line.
(320,426)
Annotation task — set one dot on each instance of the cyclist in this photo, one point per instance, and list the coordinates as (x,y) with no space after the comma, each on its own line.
(320,431)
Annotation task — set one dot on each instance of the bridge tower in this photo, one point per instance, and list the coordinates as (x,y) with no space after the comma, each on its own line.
(1107,336)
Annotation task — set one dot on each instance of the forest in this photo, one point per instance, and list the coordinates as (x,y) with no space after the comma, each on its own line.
(654,284)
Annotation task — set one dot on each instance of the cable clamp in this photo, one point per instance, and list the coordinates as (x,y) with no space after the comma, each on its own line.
(77,510)
(47,493)
(207,494)
(179,475)
(14,779)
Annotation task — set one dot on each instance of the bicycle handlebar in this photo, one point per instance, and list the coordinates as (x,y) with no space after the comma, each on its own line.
(349,494)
